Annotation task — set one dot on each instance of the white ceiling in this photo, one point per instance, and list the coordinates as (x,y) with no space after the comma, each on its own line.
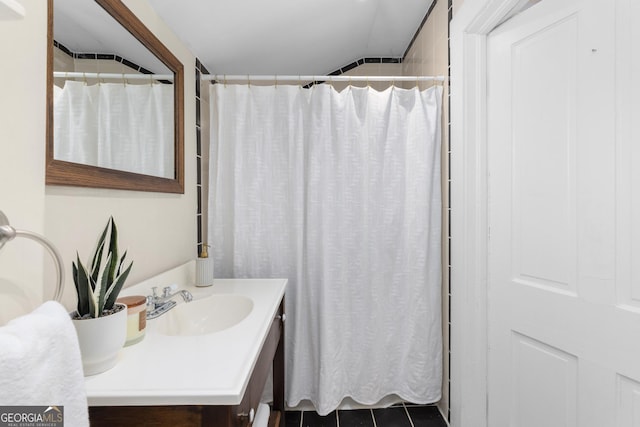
(291,36)
(84,27)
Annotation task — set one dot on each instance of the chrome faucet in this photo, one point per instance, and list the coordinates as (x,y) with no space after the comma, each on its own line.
(158,305)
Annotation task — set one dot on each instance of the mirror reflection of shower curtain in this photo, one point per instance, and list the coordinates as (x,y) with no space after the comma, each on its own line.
(127,127)
(340,193)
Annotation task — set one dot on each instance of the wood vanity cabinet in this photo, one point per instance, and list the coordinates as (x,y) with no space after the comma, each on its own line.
(272,354)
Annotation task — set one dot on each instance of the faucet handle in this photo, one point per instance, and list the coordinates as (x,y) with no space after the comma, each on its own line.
(151,299)
(166,291)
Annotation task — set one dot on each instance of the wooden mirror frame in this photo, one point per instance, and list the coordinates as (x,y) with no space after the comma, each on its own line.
(60,172)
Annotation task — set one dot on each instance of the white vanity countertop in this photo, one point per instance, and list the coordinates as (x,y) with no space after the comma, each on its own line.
(211,369)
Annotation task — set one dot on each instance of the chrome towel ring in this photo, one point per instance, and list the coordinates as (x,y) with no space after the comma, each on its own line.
(7,233)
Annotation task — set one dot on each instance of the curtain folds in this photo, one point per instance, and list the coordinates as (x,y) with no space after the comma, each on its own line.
(127,127)
(340,193)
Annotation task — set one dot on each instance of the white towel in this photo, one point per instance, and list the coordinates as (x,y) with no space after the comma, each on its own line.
(262,416)
(40,363)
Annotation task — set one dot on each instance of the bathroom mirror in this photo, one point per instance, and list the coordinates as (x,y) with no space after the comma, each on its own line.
(117,94)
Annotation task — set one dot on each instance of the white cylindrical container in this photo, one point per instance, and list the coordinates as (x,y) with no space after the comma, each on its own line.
(204,268)
(204,271)
(136,318)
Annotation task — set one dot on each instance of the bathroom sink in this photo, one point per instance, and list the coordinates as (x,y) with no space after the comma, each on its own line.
(204,316)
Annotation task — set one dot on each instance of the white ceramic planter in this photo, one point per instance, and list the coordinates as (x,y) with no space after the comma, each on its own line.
(100,340)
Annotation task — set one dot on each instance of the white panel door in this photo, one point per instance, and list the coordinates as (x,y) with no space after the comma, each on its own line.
(564,216)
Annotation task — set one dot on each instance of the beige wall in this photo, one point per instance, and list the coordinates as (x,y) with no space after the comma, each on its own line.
(371,69)
(22,136)
(159,230)
(64,62)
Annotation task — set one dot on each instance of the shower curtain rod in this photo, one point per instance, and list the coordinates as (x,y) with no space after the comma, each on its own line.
(313,78)
(81,75)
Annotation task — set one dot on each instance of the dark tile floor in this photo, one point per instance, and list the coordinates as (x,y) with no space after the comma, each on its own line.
(396,416)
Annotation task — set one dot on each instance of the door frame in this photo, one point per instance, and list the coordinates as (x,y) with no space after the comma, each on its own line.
(469,29)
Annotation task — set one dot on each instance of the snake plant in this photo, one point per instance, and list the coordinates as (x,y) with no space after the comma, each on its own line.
(99,286)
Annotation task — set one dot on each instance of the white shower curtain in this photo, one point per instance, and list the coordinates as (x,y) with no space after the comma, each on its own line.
(340,193)
(119,126)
